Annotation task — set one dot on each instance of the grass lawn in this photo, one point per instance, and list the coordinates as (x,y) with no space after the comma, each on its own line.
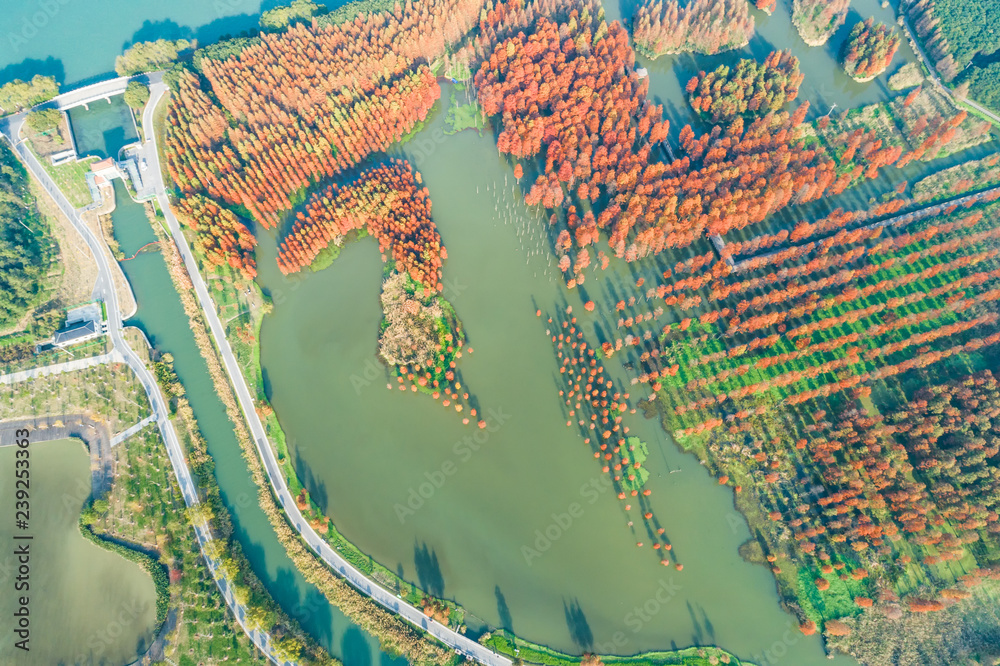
(71,179)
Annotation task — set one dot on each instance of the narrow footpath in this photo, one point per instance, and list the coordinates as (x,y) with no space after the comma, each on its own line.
(113,356)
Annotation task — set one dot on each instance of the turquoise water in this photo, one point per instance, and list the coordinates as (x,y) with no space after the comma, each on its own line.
(77,40)
(161,317)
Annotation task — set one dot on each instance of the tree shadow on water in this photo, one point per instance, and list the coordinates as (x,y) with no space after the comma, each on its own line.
(579,628)
(709,627)
(428,570)
(223,27)
(150,31)
(704,630)
(355,650)
(312,611)
(506,621)
(385,659)
(28,67)
(315,486)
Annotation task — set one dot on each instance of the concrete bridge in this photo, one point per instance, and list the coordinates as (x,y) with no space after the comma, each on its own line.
(102,90)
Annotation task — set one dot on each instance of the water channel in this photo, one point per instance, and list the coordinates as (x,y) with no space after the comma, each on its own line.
(161,316)
(102,128)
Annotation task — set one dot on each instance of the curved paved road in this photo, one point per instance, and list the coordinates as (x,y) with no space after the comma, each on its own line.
(91,93)
(104,290)
(384,597)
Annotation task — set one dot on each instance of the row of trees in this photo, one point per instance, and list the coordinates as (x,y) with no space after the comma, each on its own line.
(268,169)
(749,89)
(836,222)
(565,96)
(386,202)
(222,237)
(703,26)
(941,271)
(869,49)
(844,492)
(298,106)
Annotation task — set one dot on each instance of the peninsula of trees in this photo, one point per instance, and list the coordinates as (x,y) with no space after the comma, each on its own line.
(817,20)
(702,26)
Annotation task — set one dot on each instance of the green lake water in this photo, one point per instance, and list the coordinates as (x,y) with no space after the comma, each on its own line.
(366,452)
(87,605)
(161,316)
(826,87)
(103,127)
(370,455)
(374,458)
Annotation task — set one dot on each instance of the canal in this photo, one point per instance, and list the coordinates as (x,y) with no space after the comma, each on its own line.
(161,317)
